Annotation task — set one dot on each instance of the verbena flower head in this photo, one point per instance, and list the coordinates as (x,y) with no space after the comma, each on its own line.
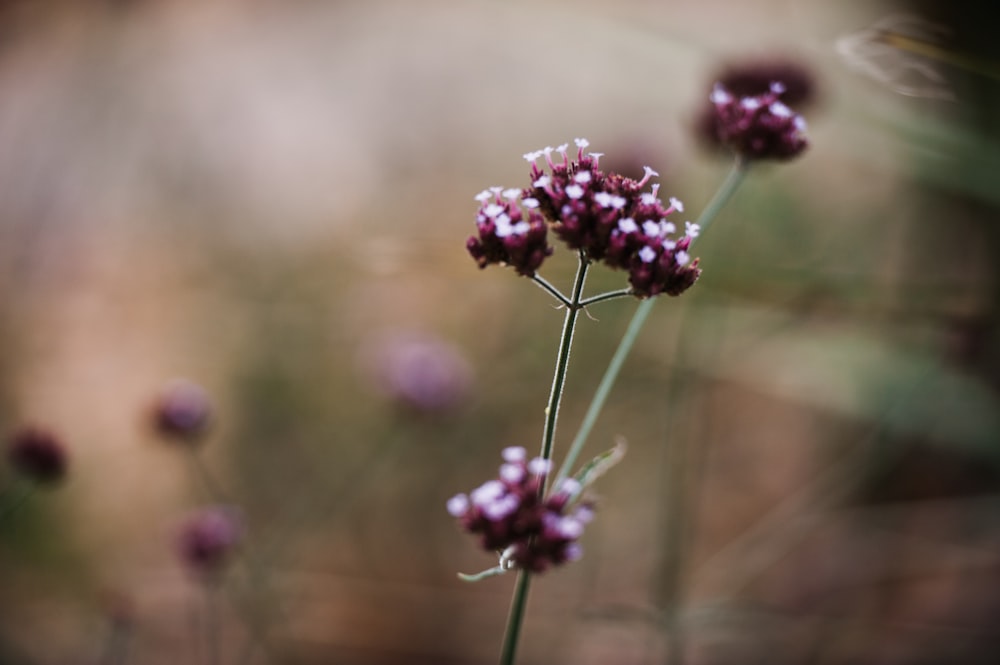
(182,411)
(208,539)
(608,217)
(758,126)
(509,515)
(37,455)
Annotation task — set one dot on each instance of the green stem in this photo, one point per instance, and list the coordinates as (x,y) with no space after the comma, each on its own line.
(601,297)
(547,286)
(19,499)
(519,601)
(722,196)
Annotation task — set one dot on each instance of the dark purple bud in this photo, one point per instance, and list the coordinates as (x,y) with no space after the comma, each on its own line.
(37,455)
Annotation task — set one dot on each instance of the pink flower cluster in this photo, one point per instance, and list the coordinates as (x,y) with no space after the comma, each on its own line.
(608,217)
(509,514)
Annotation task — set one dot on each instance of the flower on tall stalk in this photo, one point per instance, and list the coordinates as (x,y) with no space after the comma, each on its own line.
(608,217)
(37,455)
(182,411)
(531,530)
(757,127)
(208,539)
(509,514)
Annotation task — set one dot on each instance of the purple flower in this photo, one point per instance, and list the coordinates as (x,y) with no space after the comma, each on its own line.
(758,126)
(208,538)
(37,455)
(508,515)
(511,232)
(182,411)
(608,217)
(419,371)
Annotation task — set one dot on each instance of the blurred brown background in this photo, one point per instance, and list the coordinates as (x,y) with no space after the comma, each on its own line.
(265,197)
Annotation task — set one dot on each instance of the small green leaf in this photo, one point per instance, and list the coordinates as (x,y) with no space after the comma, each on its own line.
(598,466)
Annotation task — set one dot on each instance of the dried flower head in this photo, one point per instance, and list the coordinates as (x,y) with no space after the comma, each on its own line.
(608,217)
(182,411)
(37,455)
(758,126)
(509,515)
(208,538)
(754,77)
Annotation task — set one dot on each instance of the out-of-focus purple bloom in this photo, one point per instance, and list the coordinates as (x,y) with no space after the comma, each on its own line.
(208,538)
(509,515)
(37,455)
(419,371)
(758,127)
(183,411)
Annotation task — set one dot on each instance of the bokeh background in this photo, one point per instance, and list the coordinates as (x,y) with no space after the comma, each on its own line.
(271,199)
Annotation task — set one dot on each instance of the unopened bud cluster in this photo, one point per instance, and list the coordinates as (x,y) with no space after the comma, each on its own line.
(510,515)
(608,217)
(758,126)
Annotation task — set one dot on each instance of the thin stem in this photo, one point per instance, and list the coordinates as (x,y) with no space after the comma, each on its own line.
(547,286)
(519,601)
(20,498)
(610,295)
(721,197)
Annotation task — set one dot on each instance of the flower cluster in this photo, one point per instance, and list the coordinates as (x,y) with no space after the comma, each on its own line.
(605,216)
(757,126)
(509,514)
(37,455)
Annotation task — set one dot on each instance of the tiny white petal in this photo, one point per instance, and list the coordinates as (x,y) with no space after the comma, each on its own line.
(501,508)
(780,110)
(514,454)
(570,528)
(618,202)
(584,514)
(800,123)
(487,492)
(676,204)
(750,103)
(603,199)
(666,227)
(581,143)
(596,155)
(570,486)
(574,191)
(647,199)
(533,155)
(493,209)
(682,258)
(512,473)
(669,245)
(529,202)
(562,149)
(483,196)
(458,505)
(647,254)
(627,225)
(573,552)
(720,95)
(511,194)
(496,189)
(542,182)
(650,172)
(777,87)
(651,229)
(539,466)
(692,230)
(583,176)
(520,228)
